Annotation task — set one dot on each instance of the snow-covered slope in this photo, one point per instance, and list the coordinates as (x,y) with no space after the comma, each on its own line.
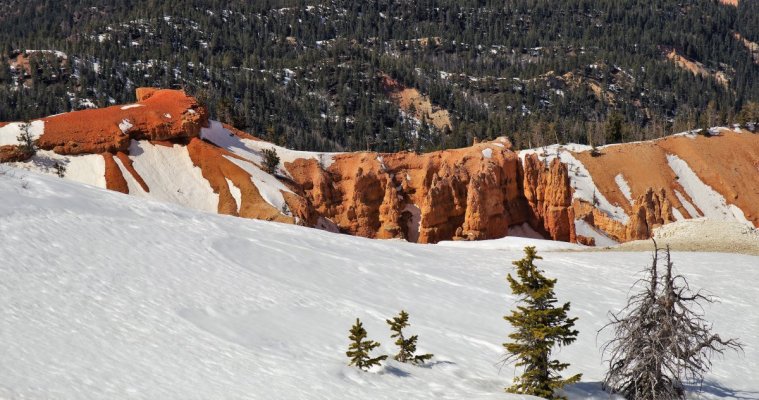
(111,296)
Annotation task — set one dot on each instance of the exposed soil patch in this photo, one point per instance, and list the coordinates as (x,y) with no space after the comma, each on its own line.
(410,99)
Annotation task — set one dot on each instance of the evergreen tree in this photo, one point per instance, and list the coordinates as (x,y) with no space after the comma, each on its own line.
(539,327)
(271,160)
(407,346)
(26,139)
(359,349)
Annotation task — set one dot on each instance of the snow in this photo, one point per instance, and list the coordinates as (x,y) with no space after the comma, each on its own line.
(413,226)
(236,193)
(88,168)
(687,205)
(252,149)
(133,186)
(585,229)
(582,183)
(130,106)
(170,303)
(125,125)
(171,175)
(624,187)
(677,214)
(57,53)
(268,186)
(710,202)
(487,153)
(10,132)
(524,230)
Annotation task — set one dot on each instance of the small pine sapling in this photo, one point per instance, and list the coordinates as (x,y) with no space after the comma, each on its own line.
(359,349)
(407,351)
(539,326)
(26,139)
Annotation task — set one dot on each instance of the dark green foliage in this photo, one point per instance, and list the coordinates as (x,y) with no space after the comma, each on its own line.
(359,348)
(271,160)
(407,347)
(539,326)
(237,52)
(26,140)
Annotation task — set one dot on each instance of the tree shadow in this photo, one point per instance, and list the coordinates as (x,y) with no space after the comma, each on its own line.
(595,390)
(718,390)
(395,371)
(589,390)
(430,365)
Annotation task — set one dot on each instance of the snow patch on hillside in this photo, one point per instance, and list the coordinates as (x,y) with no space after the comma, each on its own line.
(711,203)
(171,175)
(9,133)
(624,187)
(133,186)
(268,186)
(689,207)
(236,193)
(87,168)
(582,228)
(252,150)
(125,125)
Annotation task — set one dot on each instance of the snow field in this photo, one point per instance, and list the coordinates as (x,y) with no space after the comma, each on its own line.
(172,303)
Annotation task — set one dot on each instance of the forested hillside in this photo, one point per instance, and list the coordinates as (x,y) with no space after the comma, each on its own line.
(394,75)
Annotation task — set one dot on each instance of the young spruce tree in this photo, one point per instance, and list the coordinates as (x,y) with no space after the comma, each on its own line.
(539,326)
(359,348)
(407,346)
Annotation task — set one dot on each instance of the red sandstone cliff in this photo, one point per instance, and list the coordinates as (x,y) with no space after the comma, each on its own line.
(463,194)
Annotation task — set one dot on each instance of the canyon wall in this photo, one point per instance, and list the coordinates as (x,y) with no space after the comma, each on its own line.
(164,147)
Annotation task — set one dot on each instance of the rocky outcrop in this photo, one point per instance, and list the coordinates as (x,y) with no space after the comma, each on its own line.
(160,115)
(459,194)
(652,210)
(11,153)
(620,192)
(549,196)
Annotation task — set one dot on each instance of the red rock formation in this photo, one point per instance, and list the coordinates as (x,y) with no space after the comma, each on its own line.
(453,194)
(548,193)
(162,115)
(10,153)
(114,179)
(462,194)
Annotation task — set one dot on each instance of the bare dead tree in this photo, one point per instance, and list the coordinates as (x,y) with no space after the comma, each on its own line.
(661,339)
